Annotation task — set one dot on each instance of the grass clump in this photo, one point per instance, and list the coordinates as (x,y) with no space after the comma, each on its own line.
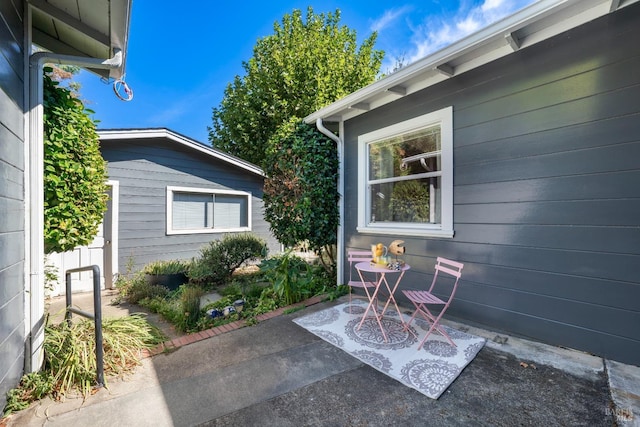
(166,267)
(70,362)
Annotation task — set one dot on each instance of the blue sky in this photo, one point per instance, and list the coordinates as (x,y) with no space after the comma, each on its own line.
(180,59)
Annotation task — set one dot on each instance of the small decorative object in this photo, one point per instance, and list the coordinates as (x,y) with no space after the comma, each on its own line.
(238,305)
(395,265)
(379,253)
(213,313)
(396,248)
(228,310)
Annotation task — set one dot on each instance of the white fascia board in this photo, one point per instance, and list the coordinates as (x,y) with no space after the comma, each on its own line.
(535,23)
(106,135)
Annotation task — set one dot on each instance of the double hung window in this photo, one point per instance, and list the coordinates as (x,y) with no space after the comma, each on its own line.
(406,177)
(192,210)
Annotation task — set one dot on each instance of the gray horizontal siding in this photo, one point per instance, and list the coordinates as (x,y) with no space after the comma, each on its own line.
(546,189)
(144,169)
(12,235)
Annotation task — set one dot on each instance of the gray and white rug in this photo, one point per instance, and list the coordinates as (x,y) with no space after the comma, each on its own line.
(430,370)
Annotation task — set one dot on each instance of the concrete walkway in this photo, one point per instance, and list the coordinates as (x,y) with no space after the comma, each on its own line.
(277,374)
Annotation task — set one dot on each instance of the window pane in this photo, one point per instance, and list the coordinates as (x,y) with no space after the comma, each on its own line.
(230,211)
(192,211)
(414,200)
(403,155)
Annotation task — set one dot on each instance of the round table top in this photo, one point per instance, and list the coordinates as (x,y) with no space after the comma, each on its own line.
(374,268)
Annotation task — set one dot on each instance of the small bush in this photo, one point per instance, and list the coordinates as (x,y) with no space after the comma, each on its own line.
(190,305)
(220,258)
(166,267)
(32,387)
(137,288)
(292,278)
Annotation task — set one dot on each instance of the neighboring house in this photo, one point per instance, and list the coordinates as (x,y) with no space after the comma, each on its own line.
(515,151)
(174,195)
(91,34)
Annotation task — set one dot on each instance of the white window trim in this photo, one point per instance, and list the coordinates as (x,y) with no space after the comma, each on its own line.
(169,210)
(444,118)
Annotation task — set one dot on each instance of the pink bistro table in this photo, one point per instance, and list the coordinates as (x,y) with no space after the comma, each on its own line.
(381,273)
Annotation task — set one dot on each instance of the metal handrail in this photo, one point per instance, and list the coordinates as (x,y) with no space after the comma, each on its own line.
(96,315)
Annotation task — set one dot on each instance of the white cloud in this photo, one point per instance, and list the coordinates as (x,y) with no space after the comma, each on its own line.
(388,18)
(437,32)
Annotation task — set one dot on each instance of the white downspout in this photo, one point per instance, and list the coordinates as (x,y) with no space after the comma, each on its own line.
(34,195)
(340,237)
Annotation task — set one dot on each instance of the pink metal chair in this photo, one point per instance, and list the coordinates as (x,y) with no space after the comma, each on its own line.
(355,257)
(422,299)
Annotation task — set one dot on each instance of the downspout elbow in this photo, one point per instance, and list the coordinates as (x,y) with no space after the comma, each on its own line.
(327,132)
(116,61)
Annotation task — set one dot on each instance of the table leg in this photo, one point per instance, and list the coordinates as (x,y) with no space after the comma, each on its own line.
(372,299)
(392,298)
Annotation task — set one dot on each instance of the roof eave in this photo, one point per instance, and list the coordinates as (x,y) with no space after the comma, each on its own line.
(73,36)
(119,134)
(533,24)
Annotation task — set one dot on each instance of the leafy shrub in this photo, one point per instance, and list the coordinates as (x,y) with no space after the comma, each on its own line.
(137,288)
(292,278)
(410,202)
(75,173)
(32,387)
(220,258)
(166,267)
(301,189)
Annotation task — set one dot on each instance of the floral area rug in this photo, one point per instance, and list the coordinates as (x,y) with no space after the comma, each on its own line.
(429,370)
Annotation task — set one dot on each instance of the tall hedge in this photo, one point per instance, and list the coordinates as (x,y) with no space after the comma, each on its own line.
(75,173)
(301,188)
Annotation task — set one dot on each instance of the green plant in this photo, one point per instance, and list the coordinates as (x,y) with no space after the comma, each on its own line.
(301,189)
(190,307)
(70,350)
(409,202)
(75,173)
(166,267)
(220,258)
(303,66)
(50,275)
(292,278)
(294,309)
(137,288)
(32,387)
(336,292)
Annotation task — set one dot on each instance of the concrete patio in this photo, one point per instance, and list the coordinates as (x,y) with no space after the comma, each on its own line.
(276,373)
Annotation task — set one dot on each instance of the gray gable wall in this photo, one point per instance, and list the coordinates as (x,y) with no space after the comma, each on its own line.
(144,169)
(12,235)
(546,189)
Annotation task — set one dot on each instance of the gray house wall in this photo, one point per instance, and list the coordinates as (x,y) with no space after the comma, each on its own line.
(12,234)
(546,189)
(144,169)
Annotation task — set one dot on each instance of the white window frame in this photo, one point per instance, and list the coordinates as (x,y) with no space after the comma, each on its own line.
(442,118)
(169,210)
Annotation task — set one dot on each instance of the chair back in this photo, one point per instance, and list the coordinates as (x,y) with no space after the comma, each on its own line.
(448,267)
(355,257)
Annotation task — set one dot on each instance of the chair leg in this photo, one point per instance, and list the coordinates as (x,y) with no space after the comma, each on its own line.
(435,326)
(432,320)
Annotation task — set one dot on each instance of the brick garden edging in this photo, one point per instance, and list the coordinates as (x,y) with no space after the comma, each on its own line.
(176,343)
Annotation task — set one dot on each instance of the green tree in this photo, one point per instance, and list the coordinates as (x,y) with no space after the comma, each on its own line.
(74,171)
(303,66)
(300,192)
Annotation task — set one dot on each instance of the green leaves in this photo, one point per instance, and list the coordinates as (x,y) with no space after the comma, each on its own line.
(301,190)
(74,171)
(303,66)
